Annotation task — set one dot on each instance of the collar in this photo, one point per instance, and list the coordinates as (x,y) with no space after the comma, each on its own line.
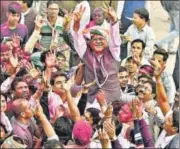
(169,138)
(19,123)
(25,13)
(59,22)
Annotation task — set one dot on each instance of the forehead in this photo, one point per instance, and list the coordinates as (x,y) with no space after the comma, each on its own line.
(60,78)
(137,44)
(147,85)
(53,5)
(97,12)
(158,56)
(124,73)
(143,79)
(20,84)
(136,15)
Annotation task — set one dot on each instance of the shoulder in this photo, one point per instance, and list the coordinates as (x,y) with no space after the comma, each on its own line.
(22,26)
(174,142)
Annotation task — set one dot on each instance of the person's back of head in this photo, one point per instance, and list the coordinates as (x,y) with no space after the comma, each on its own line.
(82,132)
(63,128)
(143,13)
(14,8)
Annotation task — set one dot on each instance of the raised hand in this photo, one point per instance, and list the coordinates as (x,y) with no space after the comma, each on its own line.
(104,138)
(30,68)
(67,19)
(77,18)
(14,60)
(39,22)
(108,112)
(78,14)
(50,59)
(110,12)
(16,41)
(136,58)
(110,128)
(158,69)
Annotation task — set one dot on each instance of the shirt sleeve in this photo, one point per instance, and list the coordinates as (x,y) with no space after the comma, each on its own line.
(79,43)
(150,41)
(169,86)
(115,41)
(6,85)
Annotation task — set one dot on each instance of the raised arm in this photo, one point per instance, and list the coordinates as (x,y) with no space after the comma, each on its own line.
(115,40)
(79,41)
(162,98)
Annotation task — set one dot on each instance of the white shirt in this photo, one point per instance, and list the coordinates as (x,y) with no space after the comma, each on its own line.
(23,14)
(146,34)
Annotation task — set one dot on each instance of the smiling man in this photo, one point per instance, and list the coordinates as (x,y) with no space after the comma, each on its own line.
(101,57)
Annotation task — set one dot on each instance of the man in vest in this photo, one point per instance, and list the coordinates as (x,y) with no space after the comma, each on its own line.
(101,58)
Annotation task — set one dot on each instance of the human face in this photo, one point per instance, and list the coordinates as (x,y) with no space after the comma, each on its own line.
(137,20)
(140,83)
(22,90)
(23,6)
(5,56)
(58,84)
(3,104)
(98,43)
(131,66)
(159,57)
(98,17)
(28,110)
(13,19)
(145,92)
(125,114)
(53,10)
(123,78)
(137,48)
(87,116)
(60,63)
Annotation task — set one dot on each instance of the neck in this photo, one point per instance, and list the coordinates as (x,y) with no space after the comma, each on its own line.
(52,20)
(171,133)
(146,100)
(141,26)
(11,26)
(25,10)
(23,121)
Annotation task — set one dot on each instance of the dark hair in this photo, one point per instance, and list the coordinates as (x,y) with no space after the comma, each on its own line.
(15,82)
(116,107)
(139,40)
(129,59)
(143,13)
(60,54)
(28,2)
(51,144)
(163,53)
(57,74)
(122,69)
(149,70)
(144,76)
(95,115)
(153,84)
(63,128)
(51,2)
(43,56)
(4,95)
(176,119)
(14,8)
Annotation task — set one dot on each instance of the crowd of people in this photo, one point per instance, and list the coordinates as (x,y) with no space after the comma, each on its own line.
(87,78)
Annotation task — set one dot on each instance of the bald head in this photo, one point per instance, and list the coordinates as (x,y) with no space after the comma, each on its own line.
(18,106)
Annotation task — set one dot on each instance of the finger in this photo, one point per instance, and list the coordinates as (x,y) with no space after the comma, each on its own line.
(105,5)
(104,9)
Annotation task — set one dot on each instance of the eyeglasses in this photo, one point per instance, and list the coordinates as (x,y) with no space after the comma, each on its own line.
(96,39)
(145,88)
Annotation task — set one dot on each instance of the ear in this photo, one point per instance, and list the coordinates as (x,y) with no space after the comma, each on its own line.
(23,114)
(174,129)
